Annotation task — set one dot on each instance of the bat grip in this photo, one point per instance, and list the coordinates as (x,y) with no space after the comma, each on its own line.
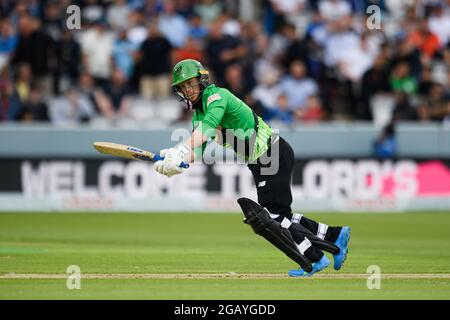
(159,158)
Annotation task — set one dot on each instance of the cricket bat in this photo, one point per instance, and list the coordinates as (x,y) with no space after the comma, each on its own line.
(129,152)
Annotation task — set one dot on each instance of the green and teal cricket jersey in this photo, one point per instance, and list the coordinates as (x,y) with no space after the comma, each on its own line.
(224,109)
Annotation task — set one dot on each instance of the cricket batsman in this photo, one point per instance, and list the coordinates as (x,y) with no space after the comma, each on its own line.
(219,115)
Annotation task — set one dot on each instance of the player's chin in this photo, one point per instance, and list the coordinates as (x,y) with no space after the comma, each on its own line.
(193,98)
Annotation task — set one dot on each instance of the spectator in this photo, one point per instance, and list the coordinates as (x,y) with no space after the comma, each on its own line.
(35,109)
(52,20)
(6,8)
(70,109)
(197,30)
(313,110)
(296,49)
(123,54)
(23,82)
(439,23)
(297,86)
(208,10)
(282,112)
(230,25)
(34,8)
(173,26)
(385,145)
(360,7)
(266,93)
(20,10)
(68,65)
(235,81)
(374,81)
(222,51)
(282,12)
(288,7)
(341,40)
(436,107)
(402,80)
(137,31)
(8,41)
(424,40)
(185,8)
(92,11)
(316,29)
(249,38)
(406,52)
(426,81)
(154,60)
(150,8)
(118,94)
(97,45)
(36,48)
(117,15)
(359,59)
(279,42)
(10,104)
(278,110)
(262,62)
(191,50)
(334,9)
(403,110)
(398,9)
(96,96)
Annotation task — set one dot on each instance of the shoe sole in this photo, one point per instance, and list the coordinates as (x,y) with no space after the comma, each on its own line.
(345,245)
(292,273)
(313,272)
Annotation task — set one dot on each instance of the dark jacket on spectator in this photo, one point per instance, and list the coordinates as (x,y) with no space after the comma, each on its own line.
(37,50)
(155,56)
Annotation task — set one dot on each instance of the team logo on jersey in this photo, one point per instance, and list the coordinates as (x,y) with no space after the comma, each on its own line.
(213,98)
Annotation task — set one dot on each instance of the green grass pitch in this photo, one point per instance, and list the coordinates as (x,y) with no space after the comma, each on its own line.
(214,256)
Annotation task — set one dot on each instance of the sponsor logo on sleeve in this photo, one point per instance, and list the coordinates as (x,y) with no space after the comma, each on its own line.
(213,98)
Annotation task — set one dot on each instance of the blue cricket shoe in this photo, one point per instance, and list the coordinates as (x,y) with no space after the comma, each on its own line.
(318,266)
(342,243)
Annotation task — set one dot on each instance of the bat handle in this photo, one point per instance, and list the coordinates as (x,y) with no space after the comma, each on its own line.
(158,158)
(184,165)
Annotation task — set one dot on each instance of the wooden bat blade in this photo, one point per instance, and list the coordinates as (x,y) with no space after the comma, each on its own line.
(123,151)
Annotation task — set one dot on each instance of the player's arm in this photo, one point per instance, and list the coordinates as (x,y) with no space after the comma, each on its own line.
(185,152)
(204,130)
(195,145)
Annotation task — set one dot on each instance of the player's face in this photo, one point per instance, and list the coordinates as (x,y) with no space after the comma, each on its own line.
(190,89)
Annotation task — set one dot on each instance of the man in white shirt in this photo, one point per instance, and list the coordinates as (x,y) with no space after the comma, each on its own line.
(97,45)
(439,23)
(334,9)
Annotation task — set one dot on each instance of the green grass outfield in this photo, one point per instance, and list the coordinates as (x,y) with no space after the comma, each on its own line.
(214,256)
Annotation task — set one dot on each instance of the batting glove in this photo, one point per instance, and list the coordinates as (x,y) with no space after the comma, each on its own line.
(172,160)
(173,157)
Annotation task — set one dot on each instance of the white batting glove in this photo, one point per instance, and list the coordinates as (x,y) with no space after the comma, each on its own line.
(173,157)
(172,160)
(159,165)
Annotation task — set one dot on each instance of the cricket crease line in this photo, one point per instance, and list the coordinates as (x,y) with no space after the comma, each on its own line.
(230,275)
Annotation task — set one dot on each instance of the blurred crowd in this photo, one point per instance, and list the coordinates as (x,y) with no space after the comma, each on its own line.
(294,61)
